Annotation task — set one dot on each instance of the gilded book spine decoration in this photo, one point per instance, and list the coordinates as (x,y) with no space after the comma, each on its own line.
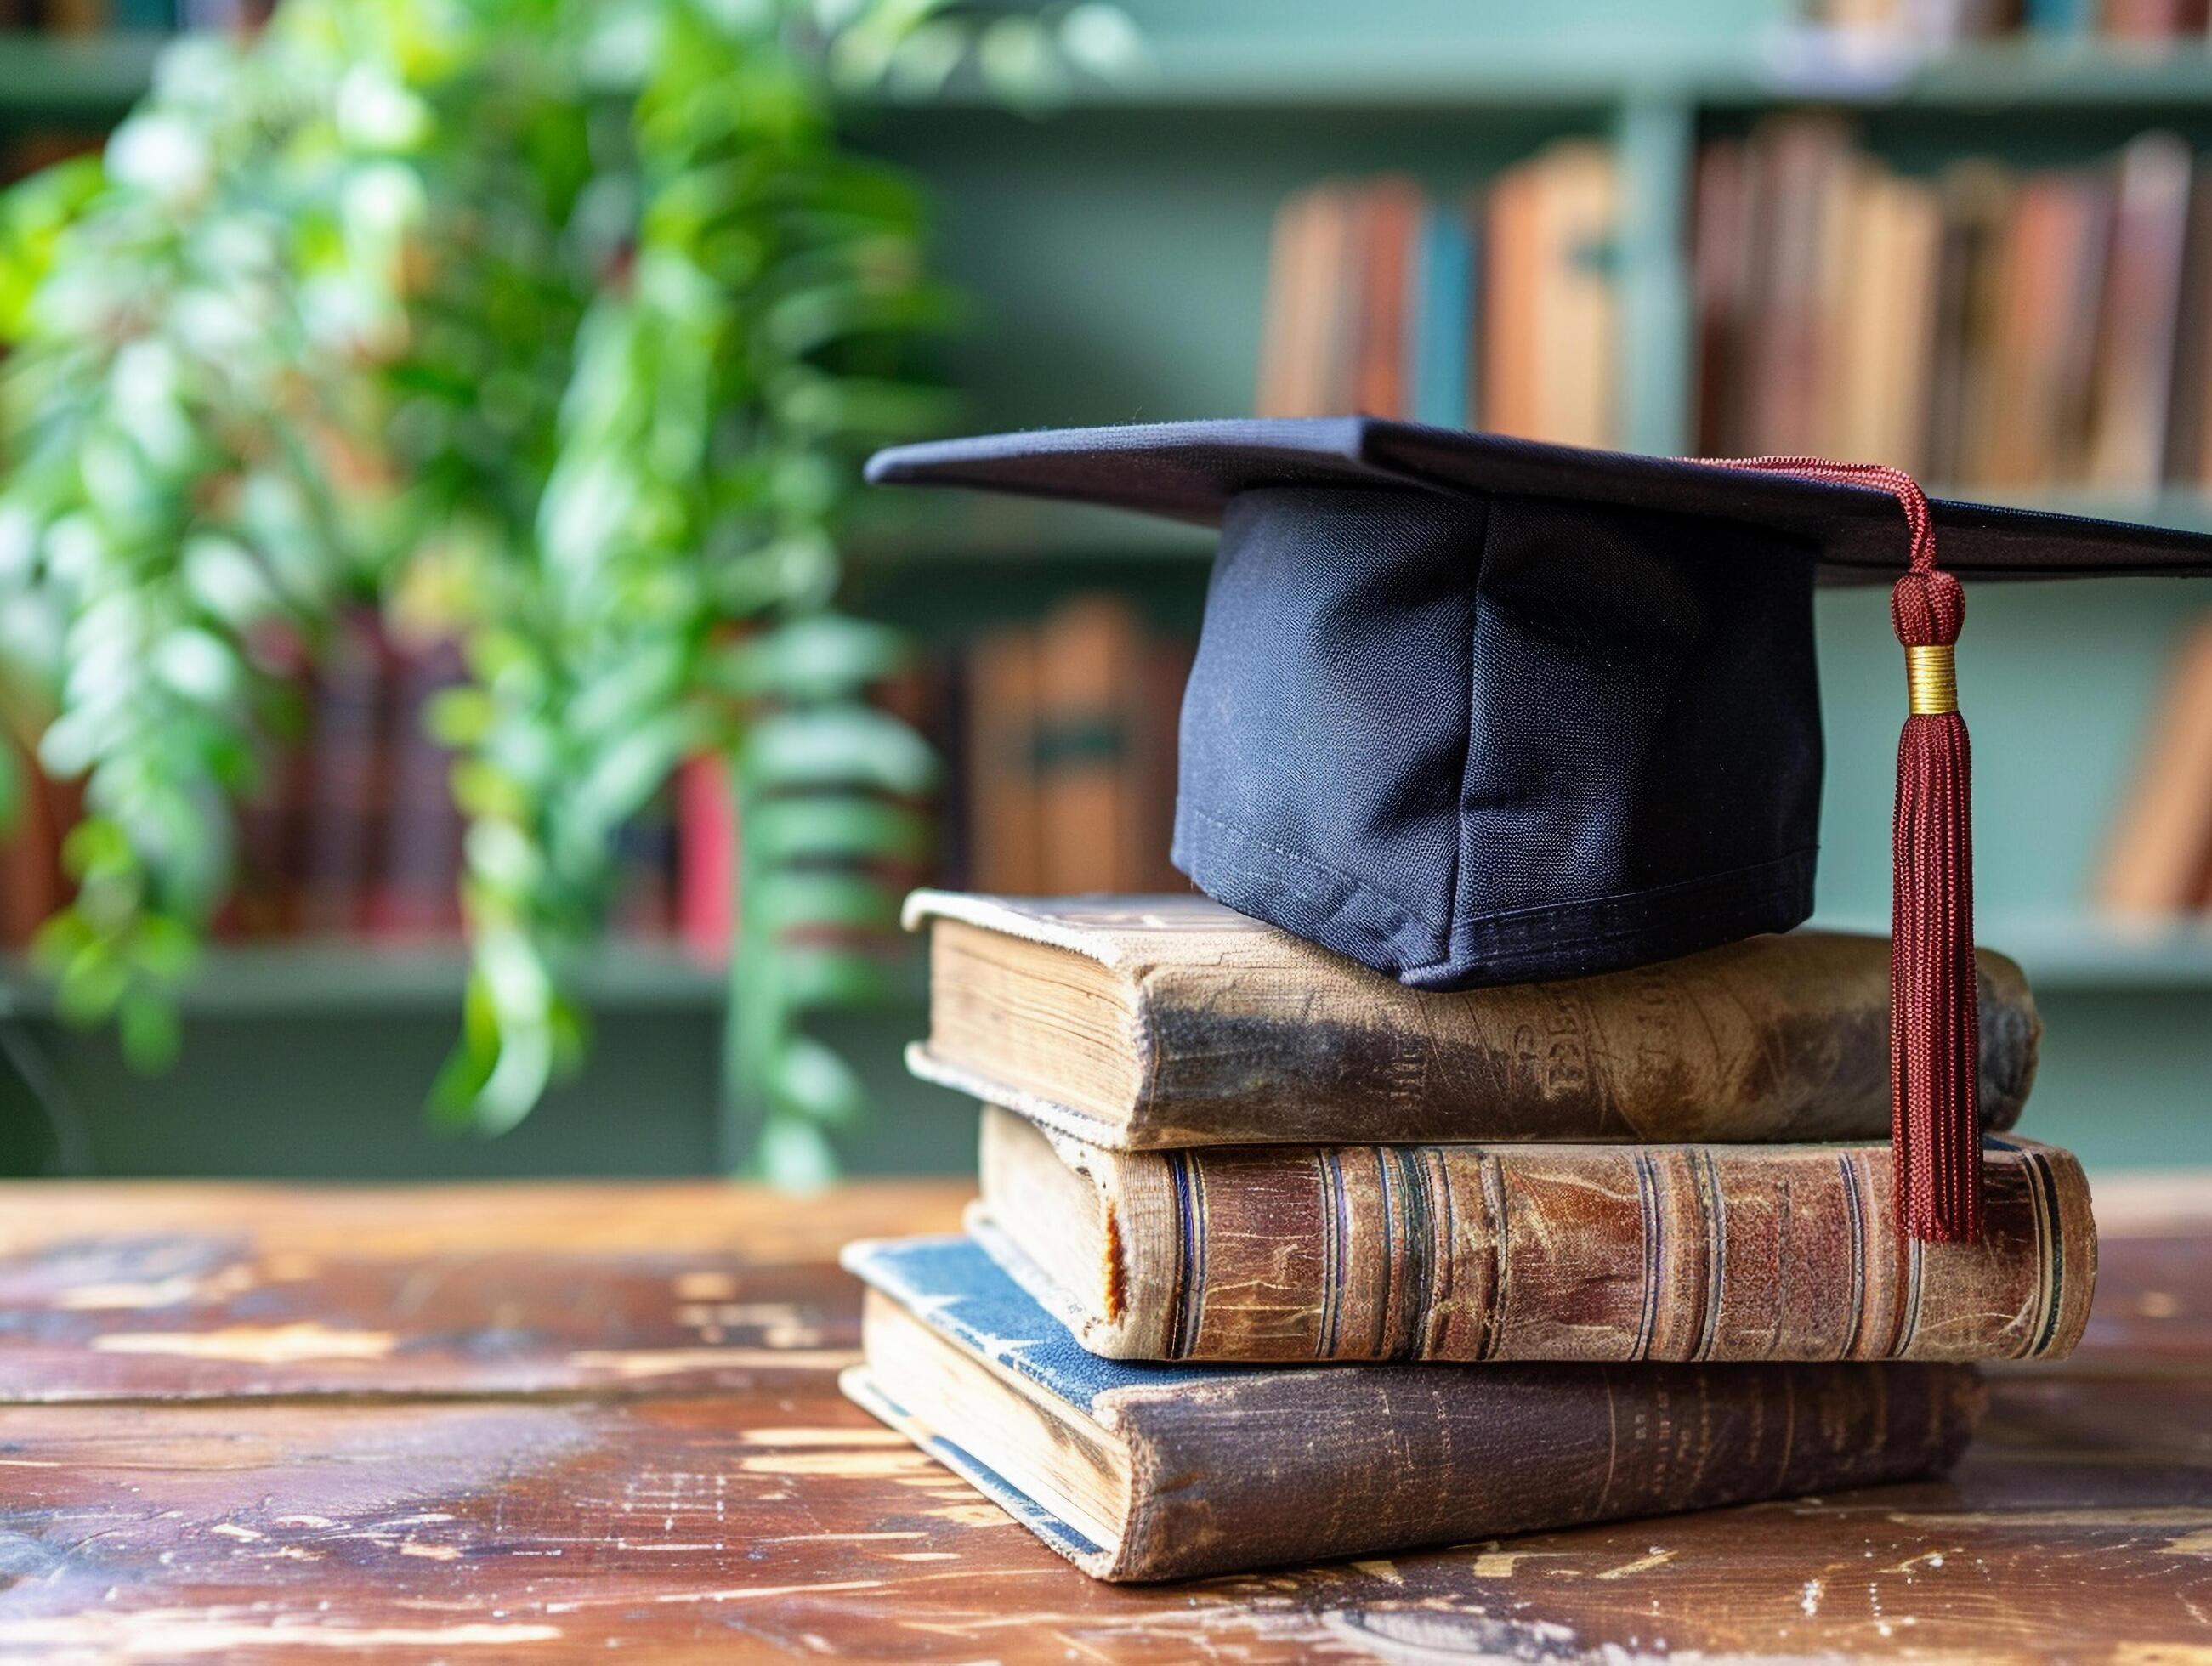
(1565,1253)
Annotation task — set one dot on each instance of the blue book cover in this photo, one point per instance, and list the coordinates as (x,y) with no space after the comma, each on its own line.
(958,1291)
(1442,343)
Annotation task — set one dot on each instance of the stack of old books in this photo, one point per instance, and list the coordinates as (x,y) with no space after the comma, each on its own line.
(1278,1258)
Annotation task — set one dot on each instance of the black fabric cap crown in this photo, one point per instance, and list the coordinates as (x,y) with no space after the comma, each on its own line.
(1472,710)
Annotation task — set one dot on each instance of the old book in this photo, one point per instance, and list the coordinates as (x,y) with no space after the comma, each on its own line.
(1577,217)
(1801,166)
(1005,834)
(1442,357)
(349,803)
(1281,310)
(1720,284)
(2143,302)
(1593,1252)
(416,889)
(2189,424)
(1880,316)
(1161,1021)
(1387,274)
(1977,205)
(1507,366)
(2036,427)
(1091,815)
(2160,860)
(1154,1472)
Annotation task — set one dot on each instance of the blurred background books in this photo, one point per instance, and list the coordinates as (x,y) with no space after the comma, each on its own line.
(1974,240)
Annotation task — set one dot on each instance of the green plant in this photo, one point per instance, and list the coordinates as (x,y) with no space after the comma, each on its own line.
(560,323)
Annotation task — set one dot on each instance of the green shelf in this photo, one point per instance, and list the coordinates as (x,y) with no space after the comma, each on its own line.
(90,75)
(1774,65)
(100,75)
(2083,952)
(305,978)
(2059,952)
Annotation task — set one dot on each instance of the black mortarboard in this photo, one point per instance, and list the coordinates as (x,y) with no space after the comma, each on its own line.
(1472,710)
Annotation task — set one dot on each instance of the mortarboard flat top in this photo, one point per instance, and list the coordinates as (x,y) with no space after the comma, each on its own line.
(1191,471)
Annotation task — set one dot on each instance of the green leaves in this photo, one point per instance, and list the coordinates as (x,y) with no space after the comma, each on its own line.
(560,326)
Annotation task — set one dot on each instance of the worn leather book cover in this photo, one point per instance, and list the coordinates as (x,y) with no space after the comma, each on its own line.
(1292,1252)
(1153,1021)
(1154,1472)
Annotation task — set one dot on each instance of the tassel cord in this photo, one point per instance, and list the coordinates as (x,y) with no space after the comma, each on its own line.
(1935,1021)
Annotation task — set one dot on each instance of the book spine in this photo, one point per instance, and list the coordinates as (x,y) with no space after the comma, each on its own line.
(1600,1253)
(417,890)
(706,858)
(1383,322)
(1088,814)
(1443,356)
(1006,831)
(1296,1466)
(1787,1039)
(345,827)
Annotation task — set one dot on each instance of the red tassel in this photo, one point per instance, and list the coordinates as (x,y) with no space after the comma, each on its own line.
(1934,1032)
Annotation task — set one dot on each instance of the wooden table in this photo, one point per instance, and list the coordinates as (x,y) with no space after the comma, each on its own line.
(468,1423)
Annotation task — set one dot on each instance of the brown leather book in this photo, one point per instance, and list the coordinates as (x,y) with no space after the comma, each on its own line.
(1005,837)
(1092,830)
(1976,203)
(1282,1254)
(1878,317)
(1161,1021)
(1509,372)
(1281,311)
(1157,1471)
(2133,392)
(1576,218)
(1720,278)
(1801,167)
(1392,225)
(2160,861)
(2036,425)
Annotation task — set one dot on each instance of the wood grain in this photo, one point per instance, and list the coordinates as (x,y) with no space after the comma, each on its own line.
(429,1503)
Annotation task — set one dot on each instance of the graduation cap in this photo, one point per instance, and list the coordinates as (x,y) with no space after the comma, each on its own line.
(1472,709)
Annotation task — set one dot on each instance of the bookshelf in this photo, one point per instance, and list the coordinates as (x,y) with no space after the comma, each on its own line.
(1117,250)
(94,77)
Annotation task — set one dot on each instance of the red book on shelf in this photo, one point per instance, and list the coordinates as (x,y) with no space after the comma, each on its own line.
(706,858)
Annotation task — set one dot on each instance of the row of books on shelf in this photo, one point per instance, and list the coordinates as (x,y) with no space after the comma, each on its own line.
(1059,733)
(1987,328)
(1060,737)
(1493,310)
(1990,327)
(353,831)
(1947,22)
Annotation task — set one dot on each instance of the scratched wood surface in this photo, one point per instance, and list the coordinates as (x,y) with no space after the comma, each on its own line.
(475,1424)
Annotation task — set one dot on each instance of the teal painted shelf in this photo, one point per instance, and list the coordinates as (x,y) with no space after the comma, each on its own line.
(2059,952)
(348,977)
(1775,65)
(45,74)
(2071,953)
(91,76)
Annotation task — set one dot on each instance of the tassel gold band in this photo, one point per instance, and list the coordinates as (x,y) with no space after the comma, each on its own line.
(1931,679)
